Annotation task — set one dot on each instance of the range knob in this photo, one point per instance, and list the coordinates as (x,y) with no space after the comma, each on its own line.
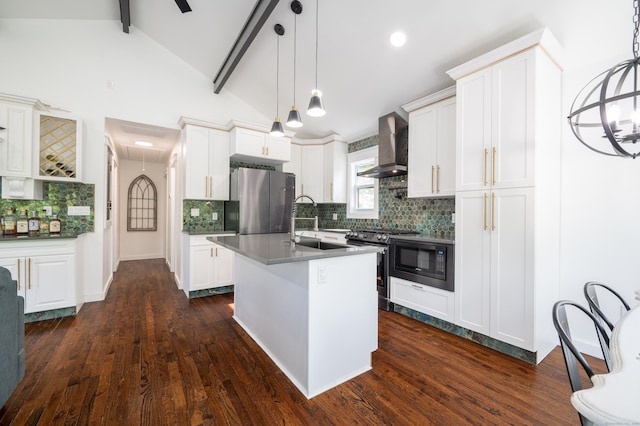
(379,236)
(354,234)
(385,237)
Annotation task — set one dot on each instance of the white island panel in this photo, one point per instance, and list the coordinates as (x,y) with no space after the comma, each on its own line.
(316,319)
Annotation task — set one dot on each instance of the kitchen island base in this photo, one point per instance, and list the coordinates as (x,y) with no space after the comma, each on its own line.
(316,319)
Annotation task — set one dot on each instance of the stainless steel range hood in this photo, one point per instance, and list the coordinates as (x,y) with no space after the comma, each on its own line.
(393,147)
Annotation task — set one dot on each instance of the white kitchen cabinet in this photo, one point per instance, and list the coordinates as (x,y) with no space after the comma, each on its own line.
(494,264)
(45,272)
(209,265)
(312,174)
(256,146)
(432,145)
(295,166)
(206,165)
(508,192)
(16,140)
(21,188)
(432,301)
(335,172)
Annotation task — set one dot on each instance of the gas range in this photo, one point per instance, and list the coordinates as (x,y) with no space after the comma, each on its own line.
(375,236)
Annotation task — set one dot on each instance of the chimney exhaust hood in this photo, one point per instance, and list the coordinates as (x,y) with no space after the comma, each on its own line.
(393,148)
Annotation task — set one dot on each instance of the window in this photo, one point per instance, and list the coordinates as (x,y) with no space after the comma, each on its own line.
(142,205)
(362,202)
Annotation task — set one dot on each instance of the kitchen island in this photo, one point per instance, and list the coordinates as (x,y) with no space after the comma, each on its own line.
(313,311)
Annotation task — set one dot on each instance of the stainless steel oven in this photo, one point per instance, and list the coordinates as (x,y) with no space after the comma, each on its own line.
(427,262)
(379,238)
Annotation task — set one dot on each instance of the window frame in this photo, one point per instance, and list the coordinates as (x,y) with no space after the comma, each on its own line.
(154,220)
(353,160)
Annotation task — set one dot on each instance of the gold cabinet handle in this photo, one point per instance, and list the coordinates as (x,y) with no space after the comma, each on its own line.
(432,178)
(267,150)
(416,286)
(493,211)
(211,252)
(486,154)
(438,178)
(302,189)
(484,212)
(206,186)
(216,251)
(210,186)
(19,274)
(331,196)
(493,166)
(29,273)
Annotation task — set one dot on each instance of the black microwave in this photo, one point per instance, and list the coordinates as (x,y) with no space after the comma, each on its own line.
(423,262)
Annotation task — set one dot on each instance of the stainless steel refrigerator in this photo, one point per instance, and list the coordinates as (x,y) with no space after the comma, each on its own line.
(259,201)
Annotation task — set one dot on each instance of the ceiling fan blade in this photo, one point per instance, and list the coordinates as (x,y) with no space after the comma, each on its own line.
(183,5)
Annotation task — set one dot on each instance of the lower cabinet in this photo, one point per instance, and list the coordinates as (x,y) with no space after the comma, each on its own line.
(45,272)
(428,300)
(209,265)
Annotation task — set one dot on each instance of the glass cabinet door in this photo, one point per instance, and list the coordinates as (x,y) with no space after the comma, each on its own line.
(59,146)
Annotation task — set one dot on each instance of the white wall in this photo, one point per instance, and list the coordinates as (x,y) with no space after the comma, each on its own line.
(67,64)
(142,244)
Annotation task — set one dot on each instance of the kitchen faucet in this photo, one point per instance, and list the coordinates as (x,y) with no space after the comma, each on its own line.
(293,217)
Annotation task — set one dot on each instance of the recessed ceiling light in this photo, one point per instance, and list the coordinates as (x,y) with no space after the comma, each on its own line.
(398,38)
(143,143)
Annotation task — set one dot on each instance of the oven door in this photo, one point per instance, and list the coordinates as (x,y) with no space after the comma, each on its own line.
(382,274)
(423,262)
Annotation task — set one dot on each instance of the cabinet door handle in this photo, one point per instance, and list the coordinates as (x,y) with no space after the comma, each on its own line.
(330,238)
(210,186)
(216,251)
(29,273)
(432,178)
(211,252)
(484,212)
(493,211)
(416,286)
(267,151)
(19,274)
(302,189)
(486,154)
(206,186)
(438,178)
(493,166)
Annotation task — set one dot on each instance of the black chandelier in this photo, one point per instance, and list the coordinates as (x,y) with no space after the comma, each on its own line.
(609,102)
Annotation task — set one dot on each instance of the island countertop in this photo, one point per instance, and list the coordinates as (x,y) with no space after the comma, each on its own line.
(271,249)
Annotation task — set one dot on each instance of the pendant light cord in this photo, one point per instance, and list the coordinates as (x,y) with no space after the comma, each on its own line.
(295,37)
(318,1)
(636,30)
(277,73)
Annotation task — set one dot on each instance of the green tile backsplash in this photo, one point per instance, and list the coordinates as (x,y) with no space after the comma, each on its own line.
(59,195)
(429,216)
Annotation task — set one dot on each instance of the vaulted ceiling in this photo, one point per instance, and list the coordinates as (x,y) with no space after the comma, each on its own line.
(361,75)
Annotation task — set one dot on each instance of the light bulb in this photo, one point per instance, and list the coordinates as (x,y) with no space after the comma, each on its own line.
(613,113)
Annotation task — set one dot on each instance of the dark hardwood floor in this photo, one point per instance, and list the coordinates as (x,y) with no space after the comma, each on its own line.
(148,355)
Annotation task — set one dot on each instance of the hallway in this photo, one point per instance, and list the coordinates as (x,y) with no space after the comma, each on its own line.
(147,355)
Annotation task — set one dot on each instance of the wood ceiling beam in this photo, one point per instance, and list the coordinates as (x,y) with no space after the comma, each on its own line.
(252,26)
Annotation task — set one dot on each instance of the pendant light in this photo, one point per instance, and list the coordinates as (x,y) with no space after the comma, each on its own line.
(276,127)
(294,119)
(610,103)
(316,108)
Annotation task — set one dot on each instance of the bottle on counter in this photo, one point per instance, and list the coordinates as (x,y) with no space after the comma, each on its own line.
(22,224)
(55,225)
(34,223)
(9,223)
(44,223)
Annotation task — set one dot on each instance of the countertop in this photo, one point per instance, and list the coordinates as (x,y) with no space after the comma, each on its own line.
(199,232)
(276,248)
(63,236)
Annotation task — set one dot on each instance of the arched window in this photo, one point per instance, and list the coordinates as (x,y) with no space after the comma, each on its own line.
(142,205)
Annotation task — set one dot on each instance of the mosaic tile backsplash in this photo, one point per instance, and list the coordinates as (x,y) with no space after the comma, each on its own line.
(430,217)
(59,195)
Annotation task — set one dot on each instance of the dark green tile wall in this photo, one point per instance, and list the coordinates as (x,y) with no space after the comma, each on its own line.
(59,195)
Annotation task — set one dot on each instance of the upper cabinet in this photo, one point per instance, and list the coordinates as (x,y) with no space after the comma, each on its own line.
(320,169)
(16,119)
(432,145)
(335,172)
(256,146)
(59,147)
(206,161)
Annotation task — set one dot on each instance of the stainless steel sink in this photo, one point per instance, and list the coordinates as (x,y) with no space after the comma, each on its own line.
(321,245)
